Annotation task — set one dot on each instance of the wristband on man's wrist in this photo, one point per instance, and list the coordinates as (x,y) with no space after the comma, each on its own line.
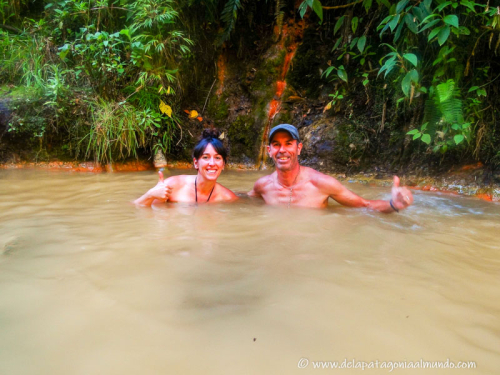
(392,206)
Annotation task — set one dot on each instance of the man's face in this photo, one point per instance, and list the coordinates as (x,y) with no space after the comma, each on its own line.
(284,150)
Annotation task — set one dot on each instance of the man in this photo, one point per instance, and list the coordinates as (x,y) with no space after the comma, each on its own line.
(294,185)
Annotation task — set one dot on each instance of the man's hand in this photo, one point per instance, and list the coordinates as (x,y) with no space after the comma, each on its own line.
(401,196)
(161,190)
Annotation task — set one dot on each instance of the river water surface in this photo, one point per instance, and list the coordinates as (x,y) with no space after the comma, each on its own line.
(90,284)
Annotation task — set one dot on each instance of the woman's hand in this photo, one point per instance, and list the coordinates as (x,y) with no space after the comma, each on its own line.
(401,196)
(161,190)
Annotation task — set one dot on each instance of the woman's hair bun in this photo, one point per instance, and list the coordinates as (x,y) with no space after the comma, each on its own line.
(210,133)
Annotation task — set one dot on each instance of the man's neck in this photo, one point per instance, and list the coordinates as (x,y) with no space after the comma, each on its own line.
(288,178)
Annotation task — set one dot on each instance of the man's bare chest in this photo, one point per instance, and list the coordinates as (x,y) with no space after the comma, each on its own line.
(304,194)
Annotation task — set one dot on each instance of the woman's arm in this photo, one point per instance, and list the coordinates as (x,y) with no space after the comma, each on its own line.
(160,192)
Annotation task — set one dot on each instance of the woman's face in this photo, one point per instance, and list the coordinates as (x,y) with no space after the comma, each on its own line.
(210,164)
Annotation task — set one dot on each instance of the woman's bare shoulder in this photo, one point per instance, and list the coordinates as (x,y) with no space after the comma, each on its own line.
(226,194)
(179,180)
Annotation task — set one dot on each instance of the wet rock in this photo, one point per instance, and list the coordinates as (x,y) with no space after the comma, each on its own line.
(324,145)
(160,161)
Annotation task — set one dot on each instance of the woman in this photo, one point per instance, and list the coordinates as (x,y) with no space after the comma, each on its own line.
(209,157)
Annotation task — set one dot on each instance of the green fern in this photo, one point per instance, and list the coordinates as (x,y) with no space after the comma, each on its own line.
(229,16)
(444,106)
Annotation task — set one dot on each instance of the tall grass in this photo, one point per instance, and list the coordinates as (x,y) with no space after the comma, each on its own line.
(119,131)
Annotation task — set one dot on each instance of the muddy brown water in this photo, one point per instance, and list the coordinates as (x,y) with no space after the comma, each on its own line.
(90,284)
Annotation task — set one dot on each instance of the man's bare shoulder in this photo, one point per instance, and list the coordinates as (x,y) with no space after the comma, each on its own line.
(261,186)
(263,182)
(320,180)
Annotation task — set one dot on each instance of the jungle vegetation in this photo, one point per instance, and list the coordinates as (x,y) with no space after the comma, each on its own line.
(111,77)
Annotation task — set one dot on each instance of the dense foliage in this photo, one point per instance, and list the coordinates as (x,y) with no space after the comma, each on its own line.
(112,73)
(439,57)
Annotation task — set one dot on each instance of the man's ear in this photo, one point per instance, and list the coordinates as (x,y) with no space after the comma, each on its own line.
(195,162)
(299,148)
(268,150)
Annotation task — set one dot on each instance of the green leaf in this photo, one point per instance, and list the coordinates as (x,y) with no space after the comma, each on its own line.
(456,127)
(337,44)
(418,13)
(327,72)
(440,7)
(464,30)
(413,131)
(429,17)
(411,58)
(342,74)
(354,24)
(386,3)
(443,35)
(63,53)
(451,20)
(318,9)
(426,138)
(353,43)
(383,30)
(469,5)
(303,9)
(401,5)
(398,32)
(381,70)
(410,23)
(338,24)
(430,24)
(427,5)
(389,68)
(413,75)
(458,138)
(384,21)
(367,4)
(361,43)
(406,84)
(434,32)
(394,22)
(391,47)
(125,32)
(417,136)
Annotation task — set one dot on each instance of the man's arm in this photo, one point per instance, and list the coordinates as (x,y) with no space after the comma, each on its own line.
(257,190)
(401,196)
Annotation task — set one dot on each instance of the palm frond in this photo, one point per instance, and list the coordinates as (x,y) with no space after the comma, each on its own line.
(229,16)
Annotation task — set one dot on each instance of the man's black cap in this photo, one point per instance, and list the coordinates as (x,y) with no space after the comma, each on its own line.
(285,127)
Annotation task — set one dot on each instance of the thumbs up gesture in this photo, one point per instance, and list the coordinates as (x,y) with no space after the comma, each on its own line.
(401,196)
(161,190)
